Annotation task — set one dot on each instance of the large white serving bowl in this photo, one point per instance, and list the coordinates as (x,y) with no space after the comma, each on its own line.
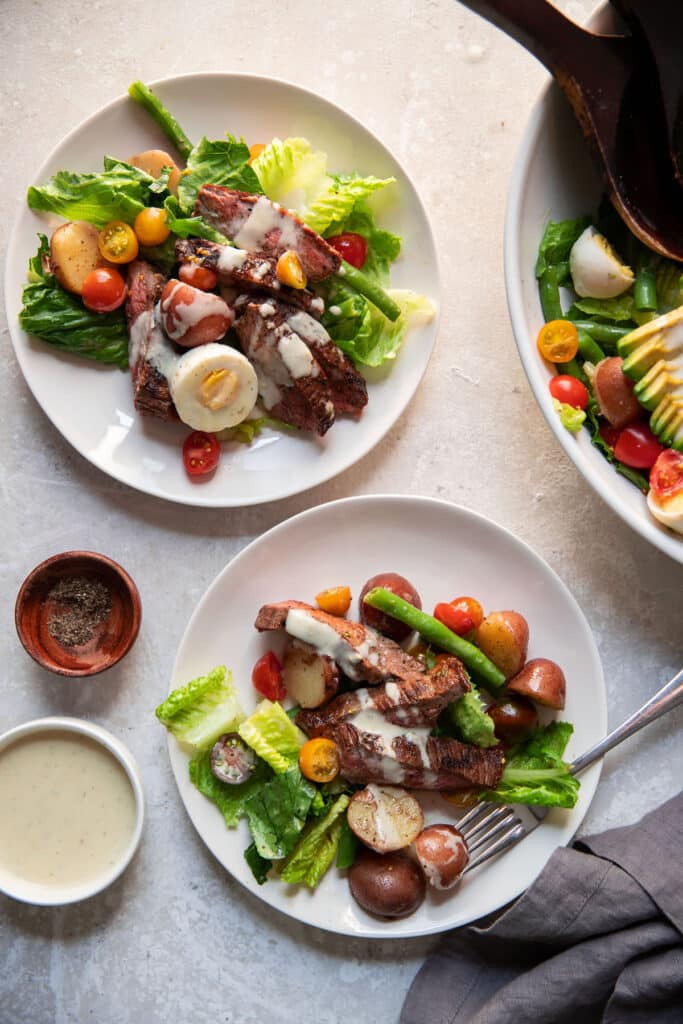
(92,405)
(554,179)
(445,550)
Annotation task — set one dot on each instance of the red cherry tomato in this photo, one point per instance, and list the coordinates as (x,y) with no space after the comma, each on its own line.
(267,677)
(569,390)
(198,277)
(103,290)
(609,434)
(666,477)
(352,248)
(471,606)
(637,446)
(201,453)
(458,620)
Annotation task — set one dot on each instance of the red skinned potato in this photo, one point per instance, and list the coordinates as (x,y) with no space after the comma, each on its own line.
(514,718)
(443,855)
(386,884)
(384,624)
(385,818)
(541,680)
(309,678)
(614,393)
(504,638)
(192,317)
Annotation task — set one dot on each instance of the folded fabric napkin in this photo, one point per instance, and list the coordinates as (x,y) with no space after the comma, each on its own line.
(598,937)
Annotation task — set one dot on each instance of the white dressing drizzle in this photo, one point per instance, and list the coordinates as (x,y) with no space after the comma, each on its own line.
(230,259)
(308,328)
(263,219)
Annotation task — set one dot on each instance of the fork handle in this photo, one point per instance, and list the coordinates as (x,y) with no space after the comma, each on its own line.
(666,699)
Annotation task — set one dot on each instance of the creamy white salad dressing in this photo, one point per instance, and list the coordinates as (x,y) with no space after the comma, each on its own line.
(264,218)
(297,356)
(161,353)
(325,639)
(137,336)
(308,328)
(230,259)
(67,809)
(268,390)
(266,309)
(187,314)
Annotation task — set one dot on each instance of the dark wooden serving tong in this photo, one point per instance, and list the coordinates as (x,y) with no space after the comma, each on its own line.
(612,85)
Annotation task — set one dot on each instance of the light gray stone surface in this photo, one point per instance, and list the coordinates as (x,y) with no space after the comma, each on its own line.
(175,939)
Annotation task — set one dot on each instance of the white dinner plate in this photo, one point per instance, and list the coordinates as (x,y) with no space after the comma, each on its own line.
(554,179)
(92,406)
(445,551)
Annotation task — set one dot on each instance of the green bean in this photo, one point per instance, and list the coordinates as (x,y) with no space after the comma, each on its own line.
(139,92)
(434,632)
(573,368)
(549,291)
(606,334)
(589,348)
(370,289)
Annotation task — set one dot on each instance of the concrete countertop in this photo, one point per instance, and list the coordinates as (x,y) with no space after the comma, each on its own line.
(176,939)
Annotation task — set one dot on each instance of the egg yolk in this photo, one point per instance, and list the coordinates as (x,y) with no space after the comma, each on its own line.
(218,389)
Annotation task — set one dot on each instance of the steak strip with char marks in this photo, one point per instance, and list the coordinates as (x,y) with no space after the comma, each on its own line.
(151,394)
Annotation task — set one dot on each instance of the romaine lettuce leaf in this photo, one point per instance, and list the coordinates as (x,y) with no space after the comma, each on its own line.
(535,773)
(291,172)
(618,309)
(247,430)
(363,333)
(189,227)
(61,319)
(202,710)
(558,239)
(472,724)
(383,246)
(669,280)
(230,800)
(572,419)
(221,162)
(118,193)
(329,212)
(277,812)
(315,851)
(271,733)
(258,864)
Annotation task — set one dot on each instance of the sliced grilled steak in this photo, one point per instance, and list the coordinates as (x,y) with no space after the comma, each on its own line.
(292,384)
(414,759)
(362,653)
(149,348)
(259,225)
(349,390)
(416,701)
(247,271)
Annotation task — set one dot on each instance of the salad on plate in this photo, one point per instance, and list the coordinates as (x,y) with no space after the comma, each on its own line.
(245,287)
(614,332)
(358,721)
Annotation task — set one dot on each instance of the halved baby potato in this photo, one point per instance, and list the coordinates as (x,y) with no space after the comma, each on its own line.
(504,638)
(74,253)
(385,818)
(153,161)
(311,680)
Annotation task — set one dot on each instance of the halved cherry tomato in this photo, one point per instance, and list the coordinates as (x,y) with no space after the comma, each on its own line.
(569,390)
(266,676)
(609,434)
(255,151)
(118,242)
(319,760)
(103,290)
(201,453)
(151,227)
(558,341)
(471,606)
(637,446)
(198,277)
(351,247)
(456,619)
(666,478)
(334,600)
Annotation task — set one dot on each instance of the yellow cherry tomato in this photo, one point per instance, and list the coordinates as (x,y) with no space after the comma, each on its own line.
(150,226)
(334,600)
(255,151)
(289,270)
(558,341)
(117,242)
(319,760)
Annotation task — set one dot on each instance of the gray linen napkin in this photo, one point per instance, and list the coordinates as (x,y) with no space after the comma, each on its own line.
(597,938)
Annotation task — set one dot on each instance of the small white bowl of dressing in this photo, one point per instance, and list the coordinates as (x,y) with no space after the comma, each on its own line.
(71,807)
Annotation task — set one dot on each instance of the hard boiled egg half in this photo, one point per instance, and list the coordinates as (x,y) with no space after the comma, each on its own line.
(597,271)
(213,386)
(665,497)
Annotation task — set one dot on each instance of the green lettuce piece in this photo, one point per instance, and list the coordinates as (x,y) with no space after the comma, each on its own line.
(557,241)
(202,710)
(618,309)
(221,162)
(258,864)
(348,846)
(535,773)
(383,246)
(329,212)
(291,172)
(60,318)
(593,424)
(669,281)
(470,720)
(317,848)
(277,812)
(189,227)
(270,732)
(230,800)
(118,193)
(571,419)
(247,430)
(365,334)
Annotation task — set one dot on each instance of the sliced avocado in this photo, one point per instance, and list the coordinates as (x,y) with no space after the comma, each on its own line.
(667,422)
(661,339)
(658,382)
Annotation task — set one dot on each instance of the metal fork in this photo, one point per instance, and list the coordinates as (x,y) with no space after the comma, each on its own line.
(489,829)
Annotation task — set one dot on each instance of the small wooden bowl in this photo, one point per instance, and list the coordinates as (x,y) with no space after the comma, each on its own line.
(111,638)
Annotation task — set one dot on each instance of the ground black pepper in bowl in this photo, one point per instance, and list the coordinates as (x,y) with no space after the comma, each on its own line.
(78,605)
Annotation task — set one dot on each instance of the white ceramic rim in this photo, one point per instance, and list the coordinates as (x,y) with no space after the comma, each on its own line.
(590,779)
(201,501)
(74,894)
(648,530)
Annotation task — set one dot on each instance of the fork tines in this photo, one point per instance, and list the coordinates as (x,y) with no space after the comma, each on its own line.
(489,829)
